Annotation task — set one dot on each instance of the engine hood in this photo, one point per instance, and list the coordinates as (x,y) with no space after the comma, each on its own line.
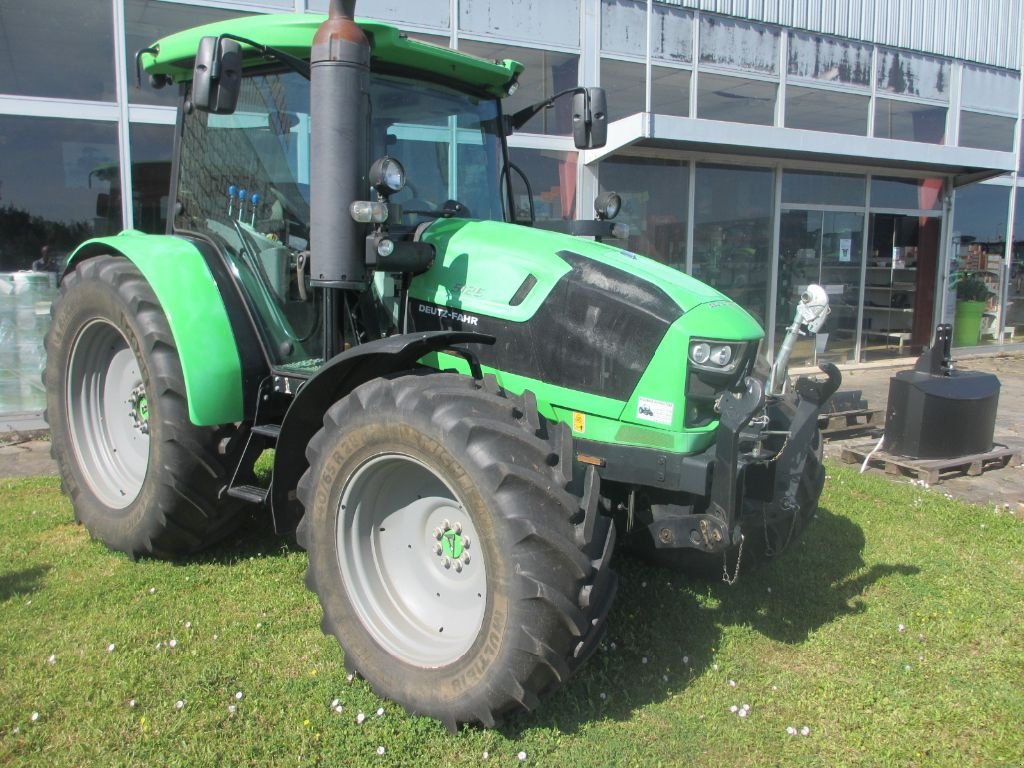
(508,271)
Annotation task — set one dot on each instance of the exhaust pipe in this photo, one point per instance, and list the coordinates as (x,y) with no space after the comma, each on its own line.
(339,107)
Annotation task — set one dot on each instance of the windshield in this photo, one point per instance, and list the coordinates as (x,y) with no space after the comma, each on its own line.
(448,142)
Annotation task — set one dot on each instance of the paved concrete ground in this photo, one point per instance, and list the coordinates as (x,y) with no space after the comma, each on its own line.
(25,450)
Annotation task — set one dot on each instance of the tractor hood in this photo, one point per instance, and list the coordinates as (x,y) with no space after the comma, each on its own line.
(509,271)
(573,313)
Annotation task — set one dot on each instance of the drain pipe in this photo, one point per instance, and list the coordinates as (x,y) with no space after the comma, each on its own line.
(339,110)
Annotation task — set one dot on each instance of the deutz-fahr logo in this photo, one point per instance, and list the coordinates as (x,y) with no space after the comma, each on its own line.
(444,313)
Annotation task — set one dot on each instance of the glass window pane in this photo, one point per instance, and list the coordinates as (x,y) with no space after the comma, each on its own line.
(815,109)
(824,247)
(670,94)
(146,21)
(673,34)
(152,148)
(426,13)
(911,74)
(996,90)
(986,131)
(909,122)
(1015,292)
(654,204)
(736,99)
(624,83)
(552,178)
(552,21)
(34,49)
(547,73)
(907,194)
(823,188)
(733,43)
(59,179)
(624,27)
(979,237)
(829,59)
(732,235)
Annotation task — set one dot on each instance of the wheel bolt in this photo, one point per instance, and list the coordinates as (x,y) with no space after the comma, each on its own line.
(438,533)
(457,528)
(465,542)
(465,558)
(447,524)
(458,567)
(446,563)
(438,549)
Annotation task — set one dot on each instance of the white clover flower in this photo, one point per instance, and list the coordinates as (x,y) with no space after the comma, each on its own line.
(486,754)
(791,730)
(521,755)
(238,695)
(805,731)
(52,659)
(732,683)
(335,703)
(152,590)
(172,643)
(232,709)
(686,660)
(35,717)
(111,648)
(350,678)
(380,712)
(734,709)
(380,750)
(603,695)
(360,718)
(132,703)
(742,713)
(339,709)
(188,625)
(643,660)
(179,704)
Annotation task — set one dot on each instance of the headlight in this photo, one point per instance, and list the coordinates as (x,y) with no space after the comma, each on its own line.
(716,356)
(387,176)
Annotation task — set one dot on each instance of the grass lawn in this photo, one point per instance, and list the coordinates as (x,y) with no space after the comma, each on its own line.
(892,632)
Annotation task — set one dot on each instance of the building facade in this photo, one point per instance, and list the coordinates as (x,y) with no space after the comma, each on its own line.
(873,147)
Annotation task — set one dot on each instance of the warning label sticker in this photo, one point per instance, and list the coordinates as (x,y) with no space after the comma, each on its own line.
(657,411)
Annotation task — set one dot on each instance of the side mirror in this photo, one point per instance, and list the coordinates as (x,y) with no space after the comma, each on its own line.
(590,118)
(217,75)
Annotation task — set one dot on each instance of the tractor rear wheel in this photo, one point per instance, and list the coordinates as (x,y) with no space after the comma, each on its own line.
(141,477)
(460,576)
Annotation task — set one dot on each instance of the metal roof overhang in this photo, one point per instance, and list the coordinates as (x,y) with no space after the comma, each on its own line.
(963,165)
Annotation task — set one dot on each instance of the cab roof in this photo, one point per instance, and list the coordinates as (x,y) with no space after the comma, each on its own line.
(293,33)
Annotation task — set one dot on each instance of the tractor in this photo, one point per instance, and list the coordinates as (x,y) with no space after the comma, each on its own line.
(467,409)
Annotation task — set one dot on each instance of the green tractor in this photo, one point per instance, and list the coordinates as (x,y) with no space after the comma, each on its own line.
(466,410)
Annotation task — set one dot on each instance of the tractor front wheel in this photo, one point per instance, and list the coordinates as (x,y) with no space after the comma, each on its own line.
(456,570)
(141,477)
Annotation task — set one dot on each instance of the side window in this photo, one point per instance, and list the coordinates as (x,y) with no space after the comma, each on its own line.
(244,182)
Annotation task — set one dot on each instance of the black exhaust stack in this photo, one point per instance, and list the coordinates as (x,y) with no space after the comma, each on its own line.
(339,106)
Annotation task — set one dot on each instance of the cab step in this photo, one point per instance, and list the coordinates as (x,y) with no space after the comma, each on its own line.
(251,493)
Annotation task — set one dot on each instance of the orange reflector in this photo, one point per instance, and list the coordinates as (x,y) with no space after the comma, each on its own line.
(592,460)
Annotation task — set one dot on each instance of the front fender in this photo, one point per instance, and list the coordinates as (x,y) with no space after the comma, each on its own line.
(337,378)
(195,311)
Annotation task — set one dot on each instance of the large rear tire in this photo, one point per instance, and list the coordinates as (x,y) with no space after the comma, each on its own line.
(458,574)
(141,477)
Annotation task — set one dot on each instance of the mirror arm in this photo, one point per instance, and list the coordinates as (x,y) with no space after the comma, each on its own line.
(292,62)
(138,63)
(523,116)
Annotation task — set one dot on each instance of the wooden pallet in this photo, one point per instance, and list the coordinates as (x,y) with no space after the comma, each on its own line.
(932,471)
(841,422)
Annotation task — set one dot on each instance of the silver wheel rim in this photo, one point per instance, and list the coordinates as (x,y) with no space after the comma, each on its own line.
(108,414)
(410,561)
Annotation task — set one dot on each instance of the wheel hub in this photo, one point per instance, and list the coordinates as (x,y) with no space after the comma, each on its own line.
(452,546)
(138,409)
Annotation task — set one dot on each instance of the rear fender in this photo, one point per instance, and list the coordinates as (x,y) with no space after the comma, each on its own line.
(337,378)
(195,311)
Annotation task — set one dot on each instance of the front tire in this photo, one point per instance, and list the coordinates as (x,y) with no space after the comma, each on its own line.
(458,574)
(141,477)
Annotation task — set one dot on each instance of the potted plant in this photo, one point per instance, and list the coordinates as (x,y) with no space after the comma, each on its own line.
(972,295)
